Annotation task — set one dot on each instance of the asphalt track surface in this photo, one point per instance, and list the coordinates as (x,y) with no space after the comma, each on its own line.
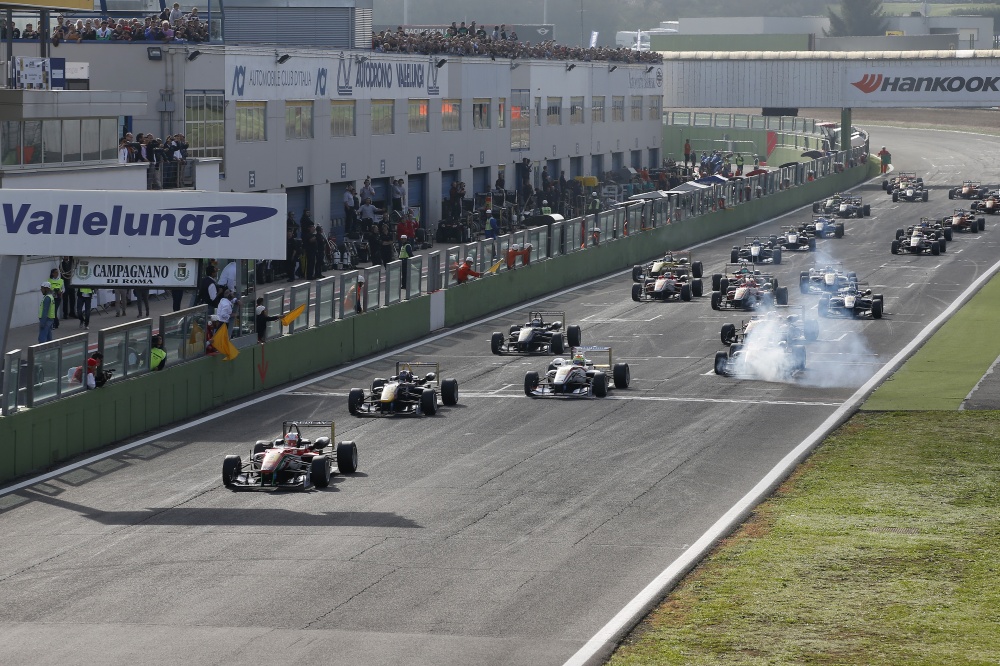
(505,530)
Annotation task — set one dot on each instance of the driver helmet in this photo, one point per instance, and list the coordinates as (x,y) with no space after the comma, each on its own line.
(291,439)
(578,359)
(515,247)
(536,322)
(405,376)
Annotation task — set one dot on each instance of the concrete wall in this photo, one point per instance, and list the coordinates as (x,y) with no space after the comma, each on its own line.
(35,439)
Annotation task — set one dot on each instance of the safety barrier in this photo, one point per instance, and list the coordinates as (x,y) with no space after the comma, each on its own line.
(36,438)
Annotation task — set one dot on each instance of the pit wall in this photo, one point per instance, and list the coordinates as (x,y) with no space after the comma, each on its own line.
(790,148)
(33,440)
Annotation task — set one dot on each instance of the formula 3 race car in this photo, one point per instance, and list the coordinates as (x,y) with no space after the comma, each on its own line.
(989,205)
(761,358)
(919,240)
(969,189)
(822,226)
(964,220)
(902,180)
(747,289)
(579,376)
(826,279)
(678,263)
(797,239)
(854,301)
(405,393)
(542,334)
(757,250)
(842,205)
(292,460)
(910,188)
(666,286)
(791,328)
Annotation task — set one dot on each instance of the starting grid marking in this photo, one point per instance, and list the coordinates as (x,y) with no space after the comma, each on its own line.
(646,398)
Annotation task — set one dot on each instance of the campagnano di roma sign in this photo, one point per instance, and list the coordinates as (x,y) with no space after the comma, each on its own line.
(112,272)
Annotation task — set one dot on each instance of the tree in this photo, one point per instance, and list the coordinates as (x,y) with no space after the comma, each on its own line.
(857,18)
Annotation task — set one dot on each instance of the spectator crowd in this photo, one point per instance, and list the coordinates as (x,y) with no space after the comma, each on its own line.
(473,40)
(169,26)
(165,159)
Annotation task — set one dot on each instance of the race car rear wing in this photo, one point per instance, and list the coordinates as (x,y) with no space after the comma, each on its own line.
(410,365)
(734,270)
(591,351)
(286,426)
(548,316)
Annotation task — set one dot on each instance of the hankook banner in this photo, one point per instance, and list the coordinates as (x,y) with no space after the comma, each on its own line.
(111,272)
(142,224)
(917,85)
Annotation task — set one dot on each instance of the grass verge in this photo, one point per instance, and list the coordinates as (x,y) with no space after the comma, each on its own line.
(946,368)
(882,548)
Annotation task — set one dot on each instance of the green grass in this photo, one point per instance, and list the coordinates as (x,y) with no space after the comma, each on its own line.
(947,367)
(883,548)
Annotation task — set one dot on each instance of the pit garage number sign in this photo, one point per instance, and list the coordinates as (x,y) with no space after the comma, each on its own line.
(116,272)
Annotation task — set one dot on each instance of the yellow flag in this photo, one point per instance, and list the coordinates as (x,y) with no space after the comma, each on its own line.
(293,315)
(222,344)
(495,267)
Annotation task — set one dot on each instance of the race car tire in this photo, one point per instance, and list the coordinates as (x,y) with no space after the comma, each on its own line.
(900,233)
(558,345)
(637,292)
(231,468)
(935,248)
(812,244)
(319,471)
(799,354)
(895,196)
(815,207)
(866,210)
(355,399)
(347,457)
(838,231)
(734,256)
(530,383)
(697,270)
(428,402)
(895,246)
(776,256)
(449,391)
(920,180)
(885,186)
(728,334)
(685,292)
(637,273)
(925,195)
(496,342)
(260,447)
(823,307)
(781,295)
(574,336)
(697,289)
(721,363)
(942,244)
(724,285)
(810,329)
(982,224)
(734,349)
(514,328)
(951,194)
(949,233)
(852,276)
(599,385)
(877,308)
(716,281)
(622,375)
(716,300)
(804,282)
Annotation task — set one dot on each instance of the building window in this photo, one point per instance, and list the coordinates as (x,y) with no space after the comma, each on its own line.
(419,118)
(251,121)
(553,111)
(481,112)
(636,107)
(342,117)
(299,119)
(204,123)
(538,111)
(383,112)
(520,119)
(597,110)
(451,115)
(502,113)
(618,108)
(576,110)
(655,107)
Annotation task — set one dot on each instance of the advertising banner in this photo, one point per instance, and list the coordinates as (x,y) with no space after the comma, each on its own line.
(31,73)
(112,272)
(916,85)
(142,224)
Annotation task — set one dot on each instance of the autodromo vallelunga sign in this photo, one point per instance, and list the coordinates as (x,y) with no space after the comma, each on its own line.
(142,224)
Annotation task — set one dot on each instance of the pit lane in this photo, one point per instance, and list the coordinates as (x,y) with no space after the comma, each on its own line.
(504,530)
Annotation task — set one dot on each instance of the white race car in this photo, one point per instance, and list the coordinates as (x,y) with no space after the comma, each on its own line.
(578,376)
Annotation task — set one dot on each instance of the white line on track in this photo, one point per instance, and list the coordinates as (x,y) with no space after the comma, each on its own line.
(651,398)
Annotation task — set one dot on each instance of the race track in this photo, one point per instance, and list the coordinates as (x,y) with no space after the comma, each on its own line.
(505,530)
